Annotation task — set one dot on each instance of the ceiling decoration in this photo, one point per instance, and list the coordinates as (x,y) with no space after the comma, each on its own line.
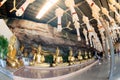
(23,7)
(74,15)
(81,8)
(2,2)
(59,13)
(77,15)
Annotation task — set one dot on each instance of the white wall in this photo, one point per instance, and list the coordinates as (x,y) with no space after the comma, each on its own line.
(5,31)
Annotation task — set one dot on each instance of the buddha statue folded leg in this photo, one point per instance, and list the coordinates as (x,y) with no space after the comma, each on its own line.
(14,63)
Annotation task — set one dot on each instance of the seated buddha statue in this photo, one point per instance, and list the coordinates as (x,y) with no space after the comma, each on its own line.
(20,51)
(71,58)
(90,55)
(80,58)
(57,59)
(25,53)
(39,59)
(86,55)
(11,56)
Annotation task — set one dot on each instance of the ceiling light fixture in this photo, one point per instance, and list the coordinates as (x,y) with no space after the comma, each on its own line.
(45,8)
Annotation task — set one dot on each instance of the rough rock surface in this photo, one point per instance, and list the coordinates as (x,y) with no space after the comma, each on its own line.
(31,33)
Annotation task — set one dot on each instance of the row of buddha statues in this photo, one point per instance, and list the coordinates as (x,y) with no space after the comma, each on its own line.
(38,57)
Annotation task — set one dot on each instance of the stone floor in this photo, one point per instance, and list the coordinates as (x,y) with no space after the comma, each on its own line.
(99,71)
(5,74)
(39,73)
(96,72)
(4,77)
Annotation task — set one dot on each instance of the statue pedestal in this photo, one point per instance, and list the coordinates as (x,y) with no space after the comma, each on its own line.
(77,62)
(60,65)
(42,65)
(51,73)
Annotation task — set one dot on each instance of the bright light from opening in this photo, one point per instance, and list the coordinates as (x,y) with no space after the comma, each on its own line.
(45,8)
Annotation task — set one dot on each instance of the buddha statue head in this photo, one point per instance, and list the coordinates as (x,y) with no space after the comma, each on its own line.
(39,49)
(79,53)
(13,39)
(25,53)
(71,52)
(57,51)
(22,48)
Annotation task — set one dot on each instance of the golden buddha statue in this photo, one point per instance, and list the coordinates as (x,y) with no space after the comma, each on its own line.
(90,55)
(20,51)
(57,59)
(86,55)
(80,58)
(11,56)
(39,59)
(71,58)
(25,54)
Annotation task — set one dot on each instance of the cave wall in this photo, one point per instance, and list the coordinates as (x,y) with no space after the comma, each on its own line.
(33,34)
